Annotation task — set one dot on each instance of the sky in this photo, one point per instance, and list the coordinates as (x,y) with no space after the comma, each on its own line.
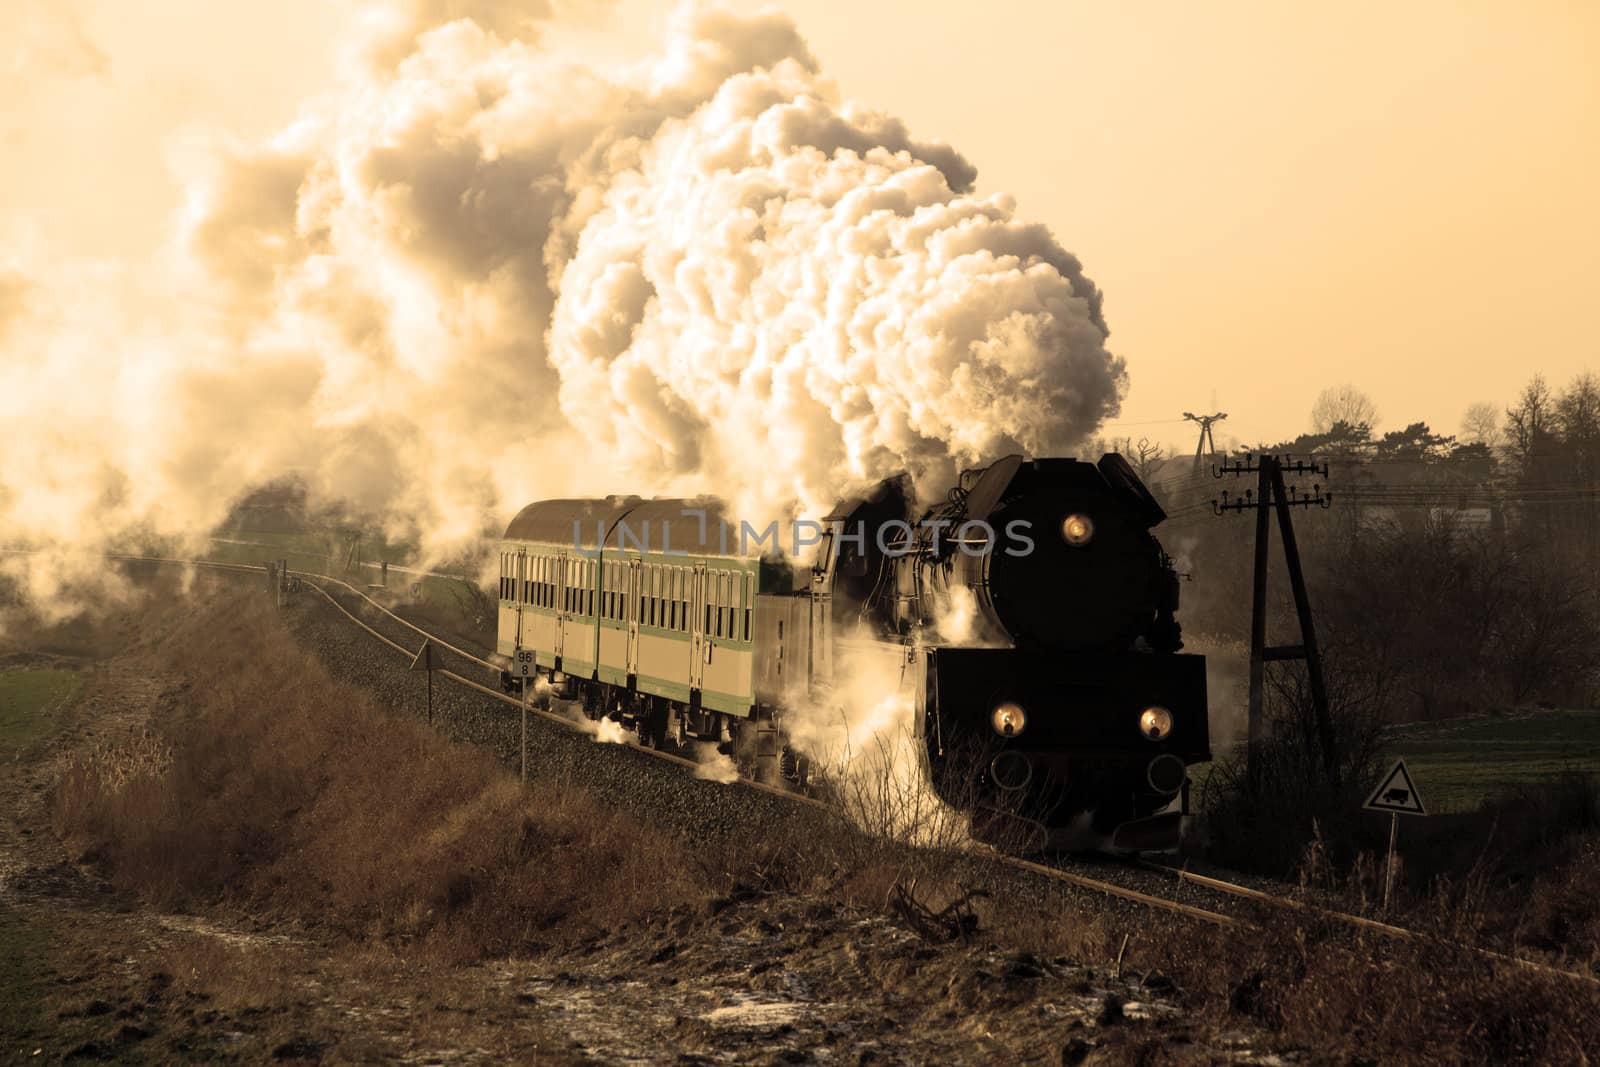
(1273,197)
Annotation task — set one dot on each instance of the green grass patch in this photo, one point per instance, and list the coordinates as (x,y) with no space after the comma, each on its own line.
(1457,765)
(30,703)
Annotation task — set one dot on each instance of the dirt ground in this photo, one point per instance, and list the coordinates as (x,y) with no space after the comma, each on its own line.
(87,972)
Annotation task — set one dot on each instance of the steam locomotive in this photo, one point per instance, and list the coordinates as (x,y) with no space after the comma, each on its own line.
(1030,617)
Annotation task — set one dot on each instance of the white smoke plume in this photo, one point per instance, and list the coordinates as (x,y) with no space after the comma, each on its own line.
(605,731)
(714,765)
(957,619)
(866,749)
(486,271)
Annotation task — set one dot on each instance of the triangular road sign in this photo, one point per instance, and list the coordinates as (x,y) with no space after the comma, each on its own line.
(1396,794)
(427,659)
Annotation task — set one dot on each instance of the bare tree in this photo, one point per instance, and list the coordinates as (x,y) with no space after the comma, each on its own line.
(476,604)
(1530,424)
(1577,414)
(1343,403)
(1142,455)
(1481,425)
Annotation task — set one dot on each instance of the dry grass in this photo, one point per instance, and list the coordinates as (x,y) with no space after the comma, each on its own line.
(278,790)
(1359,1000)
(233,976)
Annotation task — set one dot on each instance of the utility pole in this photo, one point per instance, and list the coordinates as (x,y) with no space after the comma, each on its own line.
(1270,493)
(1205,422)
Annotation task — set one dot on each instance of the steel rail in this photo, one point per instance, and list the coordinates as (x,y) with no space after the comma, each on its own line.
(506,698)
(1183,874)
(314,576)
(1112,889)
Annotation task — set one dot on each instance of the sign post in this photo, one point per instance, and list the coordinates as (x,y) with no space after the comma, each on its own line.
(1396,795)
(427,660)
(525,669)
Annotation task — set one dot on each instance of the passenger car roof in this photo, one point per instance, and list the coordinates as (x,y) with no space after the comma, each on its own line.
(654,525)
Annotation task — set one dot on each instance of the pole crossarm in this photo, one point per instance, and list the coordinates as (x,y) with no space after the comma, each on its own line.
(1293,499)
(1287,465)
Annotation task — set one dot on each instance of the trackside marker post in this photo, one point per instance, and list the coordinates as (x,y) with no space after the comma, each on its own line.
(427,660)
(1397,795)
(525,670)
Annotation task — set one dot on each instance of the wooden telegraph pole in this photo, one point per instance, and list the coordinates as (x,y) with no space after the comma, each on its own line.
(1270,493)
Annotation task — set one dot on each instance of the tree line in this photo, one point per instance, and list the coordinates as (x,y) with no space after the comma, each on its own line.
(1421,612)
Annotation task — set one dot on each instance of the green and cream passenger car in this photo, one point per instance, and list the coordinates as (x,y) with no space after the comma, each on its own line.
(648,611)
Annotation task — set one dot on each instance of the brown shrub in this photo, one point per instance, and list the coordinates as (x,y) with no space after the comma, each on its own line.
(1561,911)
(278,789)
(1359,998)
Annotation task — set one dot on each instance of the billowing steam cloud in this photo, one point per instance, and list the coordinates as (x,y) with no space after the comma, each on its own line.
(486,272)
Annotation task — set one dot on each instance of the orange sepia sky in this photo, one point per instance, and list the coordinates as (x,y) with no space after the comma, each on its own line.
(1273,197)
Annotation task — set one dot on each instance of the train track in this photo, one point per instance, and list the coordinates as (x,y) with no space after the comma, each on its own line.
(1057,874)
(490,691)
(1221,891)
(1361,922)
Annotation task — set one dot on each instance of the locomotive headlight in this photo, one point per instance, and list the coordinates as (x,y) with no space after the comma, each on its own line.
(1077,530)
(1008,719)
(1155,722)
